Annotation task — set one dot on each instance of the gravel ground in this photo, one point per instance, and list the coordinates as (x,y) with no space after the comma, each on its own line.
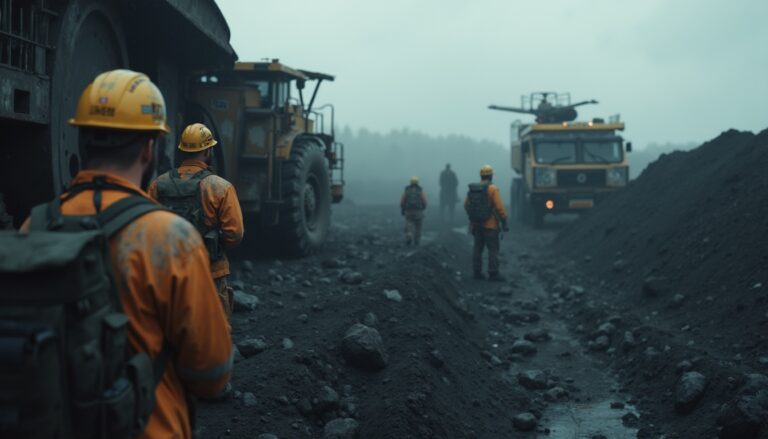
(646,318)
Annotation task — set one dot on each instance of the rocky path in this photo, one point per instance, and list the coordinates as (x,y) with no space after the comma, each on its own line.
(373,339)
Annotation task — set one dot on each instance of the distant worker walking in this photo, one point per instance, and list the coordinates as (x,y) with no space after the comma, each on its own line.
(412,205)
(206,200)
(448,196)
(486,213)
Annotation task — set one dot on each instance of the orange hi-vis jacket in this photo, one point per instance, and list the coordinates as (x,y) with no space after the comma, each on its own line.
(221,209)
(494,197)
(162,272)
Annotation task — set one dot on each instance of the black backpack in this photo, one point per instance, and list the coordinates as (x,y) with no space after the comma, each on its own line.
(413,199)
(66,369)
(183,197)
(479,206)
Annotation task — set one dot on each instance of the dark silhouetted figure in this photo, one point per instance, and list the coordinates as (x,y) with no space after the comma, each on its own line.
(448,195)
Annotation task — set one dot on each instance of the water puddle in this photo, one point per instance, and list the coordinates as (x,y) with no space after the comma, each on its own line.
(587,414)
(587,420)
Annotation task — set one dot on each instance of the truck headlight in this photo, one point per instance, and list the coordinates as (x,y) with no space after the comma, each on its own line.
(545,177)
(616,177)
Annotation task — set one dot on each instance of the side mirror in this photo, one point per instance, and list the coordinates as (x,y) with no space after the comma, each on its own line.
(300,84)
(629,146)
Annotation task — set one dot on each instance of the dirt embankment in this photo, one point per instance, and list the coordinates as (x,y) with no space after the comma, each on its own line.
(682,257)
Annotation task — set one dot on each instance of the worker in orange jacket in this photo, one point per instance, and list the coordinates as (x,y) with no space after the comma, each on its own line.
(487,215)
(160,264)
(208,201)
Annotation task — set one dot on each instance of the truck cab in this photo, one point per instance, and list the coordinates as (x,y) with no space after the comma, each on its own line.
(566,167)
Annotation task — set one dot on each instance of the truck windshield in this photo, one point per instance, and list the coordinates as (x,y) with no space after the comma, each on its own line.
(602,152)
(555,152)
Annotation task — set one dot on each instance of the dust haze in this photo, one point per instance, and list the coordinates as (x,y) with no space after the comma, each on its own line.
(411,76)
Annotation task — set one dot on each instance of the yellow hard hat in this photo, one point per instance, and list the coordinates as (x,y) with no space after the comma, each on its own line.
(414,180)
(196,137)
(486,171)
(121,100)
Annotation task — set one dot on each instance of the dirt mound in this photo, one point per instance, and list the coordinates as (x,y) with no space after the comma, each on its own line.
(299,376)
(683,256)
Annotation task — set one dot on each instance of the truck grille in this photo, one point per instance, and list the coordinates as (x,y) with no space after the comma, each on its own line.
(581,178)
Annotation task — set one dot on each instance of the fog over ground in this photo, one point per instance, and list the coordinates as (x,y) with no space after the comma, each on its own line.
(677,71)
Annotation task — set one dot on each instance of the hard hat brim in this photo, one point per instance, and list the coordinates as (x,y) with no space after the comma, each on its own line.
(182,148)
(119,126)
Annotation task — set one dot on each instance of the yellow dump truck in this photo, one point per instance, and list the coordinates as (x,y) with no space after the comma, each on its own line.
(564,166)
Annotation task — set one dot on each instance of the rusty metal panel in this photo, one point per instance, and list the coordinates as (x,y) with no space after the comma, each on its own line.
(24,97)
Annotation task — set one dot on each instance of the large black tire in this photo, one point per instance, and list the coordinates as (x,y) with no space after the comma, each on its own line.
(90,41)
(305,215)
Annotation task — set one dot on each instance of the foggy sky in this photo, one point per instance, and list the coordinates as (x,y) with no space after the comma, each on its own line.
(676,70)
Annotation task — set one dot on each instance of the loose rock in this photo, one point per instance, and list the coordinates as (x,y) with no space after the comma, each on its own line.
(524,421)
(538,335)
(533,379)
(523,347)
(362,347)
(352,278)
(393,295)
(690,389)
(341,428)
(327,400)
(601,343)
(252,346)
(654,286)
(245,302)
(249,399)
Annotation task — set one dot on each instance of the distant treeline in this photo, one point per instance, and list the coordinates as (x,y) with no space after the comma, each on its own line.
(379,165)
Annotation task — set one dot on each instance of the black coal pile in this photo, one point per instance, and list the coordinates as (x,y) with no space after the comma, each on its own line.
(682,256)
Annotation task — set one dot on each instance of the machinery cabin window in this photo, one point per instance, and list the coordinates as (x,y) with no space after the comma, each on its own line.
(602,152)
(281,92)
(555,152)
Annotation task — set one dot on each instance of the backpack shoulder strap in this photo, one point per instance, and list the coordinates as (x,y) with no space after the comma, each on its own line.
(201,175)
(123,212)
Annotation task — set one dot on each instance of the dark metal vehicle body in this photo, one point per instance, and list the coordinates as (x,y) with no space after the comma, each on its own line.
(565,167)
(277,147)
(50,50)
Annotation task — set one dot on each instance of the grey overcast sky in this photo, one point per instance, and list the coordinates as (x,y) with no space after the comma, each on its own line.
(676,70)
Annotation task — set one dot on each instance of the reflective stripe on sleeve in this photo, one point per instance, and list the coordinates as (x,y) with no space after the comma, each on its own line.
(211,374)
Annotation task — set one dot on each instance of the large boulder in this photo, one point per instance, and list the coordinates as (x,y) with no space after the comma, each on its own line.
(362,348)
